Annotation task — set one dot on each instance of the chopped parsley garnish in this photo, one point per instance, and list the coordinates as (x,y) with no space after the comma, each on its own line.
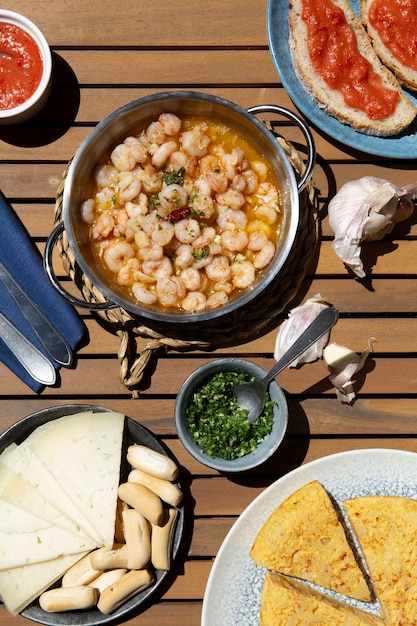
(174,177)
(219,425)
(200,253)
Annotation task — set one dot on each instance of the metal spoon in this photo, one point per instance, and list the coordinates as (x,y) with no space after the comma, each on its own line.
(251,396)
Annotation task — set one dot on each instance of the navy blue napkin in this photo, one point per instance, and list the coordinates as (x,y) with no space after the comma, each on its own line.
(23,260)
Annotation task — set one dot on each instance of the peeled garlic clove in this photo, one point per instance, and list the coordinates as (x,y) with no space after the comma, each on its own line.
(298,319)
(343,364)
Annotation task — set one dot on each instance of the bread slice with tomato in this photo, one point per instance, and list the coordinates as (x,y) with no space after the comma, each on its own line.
(391,50)
(371,118)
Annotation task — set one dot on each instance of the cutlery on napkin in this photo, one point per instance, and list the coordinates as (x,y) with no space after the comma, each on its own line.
(24,263)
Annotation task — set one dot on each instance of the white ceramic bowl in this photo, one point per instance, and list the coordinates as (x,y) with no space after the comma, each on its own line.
(265,450)
(32,105)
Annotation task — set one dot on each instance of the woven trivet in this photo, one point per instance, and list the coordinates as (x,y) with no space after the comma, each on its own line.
(240,326)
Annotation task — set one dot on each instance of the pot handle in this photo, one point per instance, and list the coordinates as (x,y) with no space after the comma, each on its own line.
(311,150)
(48,267)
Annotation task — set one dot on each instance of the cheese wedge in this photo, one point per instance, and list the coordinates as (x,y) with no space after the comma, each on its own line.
(44,544)
(83,454)
(19,493)
(16,520)
(284,602)
(386,527)
(19,586)
(28,466)
(305,538)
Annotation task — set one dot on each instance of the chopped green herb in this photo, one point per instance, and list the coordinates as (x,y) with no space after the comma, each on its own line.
(200,253)
(219,425)
(174,177)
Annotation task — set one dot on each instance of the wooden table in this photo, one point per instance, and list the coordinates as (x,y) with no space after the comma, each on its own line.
(107,54)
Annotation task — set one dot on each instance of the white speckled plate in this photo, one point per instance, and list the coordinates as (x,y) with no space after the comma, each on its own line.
(402,146)
(234,588)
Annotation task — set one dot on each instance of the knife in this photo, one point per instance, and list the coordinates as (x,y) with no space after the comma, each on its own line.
(32,359)
(54,344)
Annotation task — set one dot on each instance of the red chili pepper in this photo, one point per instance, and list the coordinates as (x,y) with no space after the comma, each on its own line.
(179,214)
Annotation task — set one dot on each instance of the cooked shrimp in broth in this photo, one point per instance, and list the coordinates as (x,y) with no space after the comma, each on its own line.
(183,214)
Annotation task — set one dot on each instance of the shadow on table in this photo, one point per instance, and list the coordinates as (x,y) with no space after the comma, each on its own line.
(57,115)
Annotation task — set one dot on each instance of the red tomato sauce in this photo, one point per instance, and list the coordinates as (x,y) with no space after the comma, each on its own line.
(335,56)
(21,66)
(396,23)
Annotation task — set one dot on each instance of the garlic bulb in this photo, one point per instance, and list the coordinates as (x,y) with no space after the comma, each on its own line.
(366,210)
(343,364)
(298,319)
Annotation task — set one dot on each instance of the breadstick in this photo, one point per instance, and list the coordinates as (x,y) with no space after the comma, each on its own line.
(81,573)
(107,578)
(143,500)
(161,541)
(167,491)
(152,462)
(68,598)
(103,558)
(138,539)
(126,587)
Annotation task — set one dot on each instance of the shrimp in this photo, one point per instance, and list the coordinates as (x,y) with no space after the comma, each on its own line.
(163,233)
(179,159)
(257,240)
(103,226)
(151,222)
(106,176)
(192,278)
(203,204)
(155,133)
(187,230)
(267,192)
(235,241)
(260,169)
(264,257)
(129,186)
(243,274)
(137,149)
(105,199)
(157,269)
(117,253)
(184,256)
(194,301)
(151,252)
(232,162)
(170,122)
(231,198)
(216,299)
(252,181)
(122,157)
(170,290)
(232,219)
(121,228)
(163,152)
(150,178)
(219,269)
(172,197)
(206,237)
(143,293)
(266,213)
(128,271)
(87,211)
(195,141)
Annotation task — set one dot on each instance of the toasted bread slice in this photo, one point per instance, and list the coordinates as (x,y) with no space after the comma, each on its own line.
(405,74)
(305,538)
(286,601)
(331,100)
(386,528)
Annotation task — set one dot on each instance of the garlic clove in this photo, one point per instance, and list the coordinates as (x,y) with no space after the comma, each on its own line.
(338,357)
(297,321)
(343,364)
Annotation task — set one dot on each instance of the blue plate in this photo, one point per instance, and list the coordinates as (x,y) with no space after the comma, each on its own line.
(403,146)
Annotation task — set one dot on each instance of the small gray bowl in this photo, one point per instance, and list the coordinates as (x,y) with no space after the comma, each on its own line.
(265,450)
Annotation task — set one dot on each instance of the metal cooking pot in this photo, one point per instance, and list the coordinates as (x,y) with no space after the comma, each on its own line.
(135,116)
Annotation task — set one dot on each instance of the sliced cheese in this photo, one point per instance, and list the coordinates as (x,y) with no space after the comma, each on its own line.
(83,454)
(19,586)
(44,544)
(16,491)
(28,466)
(16,520)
